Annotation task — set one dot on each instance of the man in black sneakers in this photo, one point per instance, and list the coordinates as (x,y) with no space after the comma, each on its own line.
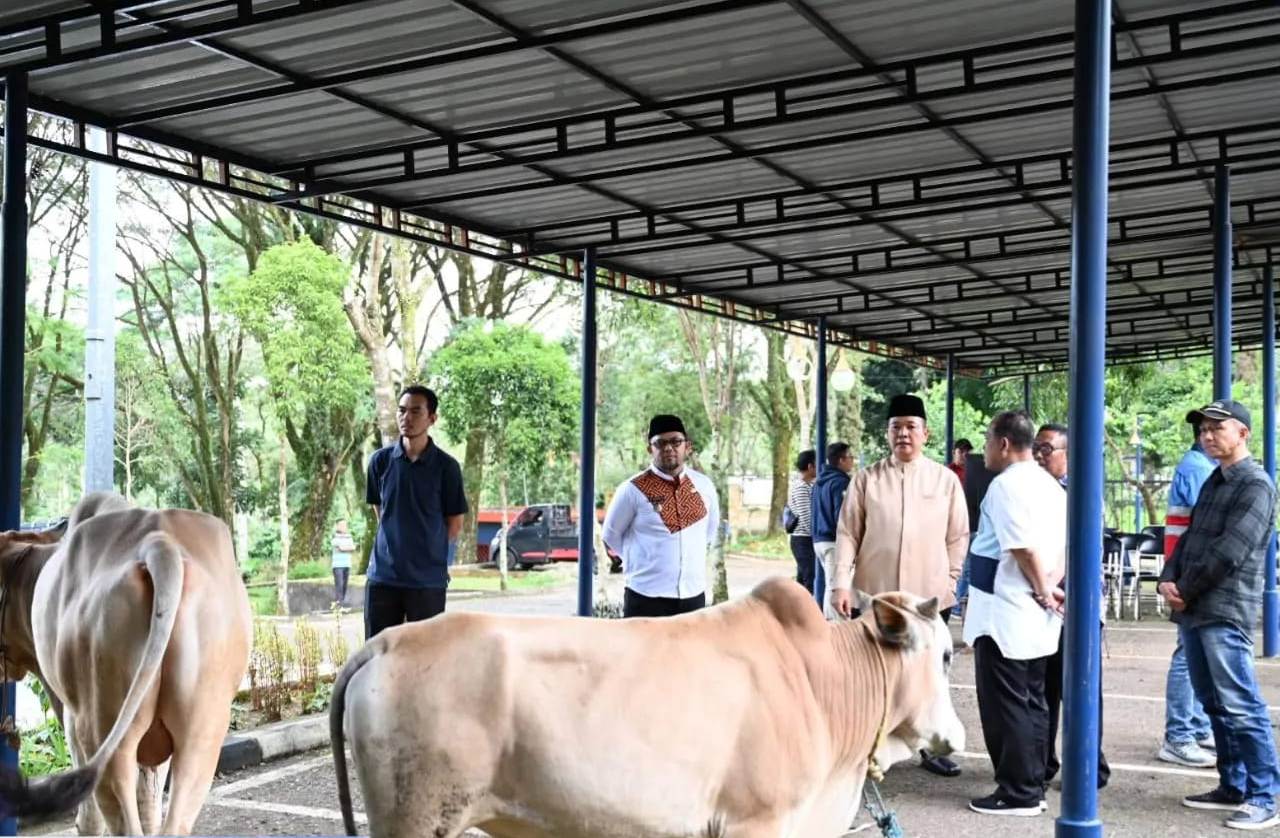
(1013,618)
(1213,583)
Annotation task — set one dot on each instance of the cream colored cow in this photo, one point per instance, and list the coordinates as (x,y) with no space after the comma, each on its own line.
(138,622)
(755,719)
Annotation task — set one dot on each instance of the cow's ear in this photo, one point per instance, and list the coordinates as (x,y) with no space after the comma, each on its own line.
(928,609)
(862,601)
(892,622)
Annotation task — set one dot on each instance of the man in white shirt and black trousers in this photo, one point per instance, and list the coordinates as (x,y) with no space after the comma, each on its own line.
(1013,618)
(662,521)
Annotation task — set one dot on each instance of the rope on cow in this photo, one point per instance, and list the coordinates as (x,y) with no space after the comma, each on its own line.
(885,818)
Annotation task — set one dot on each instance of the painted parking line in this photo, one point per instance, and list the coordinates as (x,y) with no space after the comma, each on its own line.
(282,809)
(1165,659)
(267,777)
(1117,696)
(1203,773)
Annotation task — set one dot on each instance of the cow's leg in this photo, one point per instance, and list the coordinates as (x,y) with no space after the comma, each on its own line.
(195,759)
(151,795)
(117,793)
(88,818)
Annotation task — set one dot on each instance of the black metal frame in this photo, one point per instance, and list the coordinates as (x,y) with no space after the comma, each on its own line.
(930,282)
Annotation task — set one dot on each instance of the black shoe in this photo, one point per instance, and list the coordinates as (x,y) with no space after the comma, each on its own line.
(994,804)
(1223,800)
(941,766)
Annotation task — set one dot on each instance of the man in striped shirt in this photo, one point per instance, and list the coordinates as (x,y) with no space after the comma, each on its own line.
(799,501)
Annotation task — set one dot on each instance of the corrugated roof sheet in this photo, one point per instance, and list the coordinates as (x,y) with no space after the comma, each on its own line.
(900,166)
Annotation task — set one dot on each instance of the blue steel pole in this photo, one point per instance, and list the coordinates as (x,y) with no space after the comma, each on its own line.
(13,302)
(1270,596)
(951,407)
(1082,656)
(820,444)
(1222,282)
(587,479)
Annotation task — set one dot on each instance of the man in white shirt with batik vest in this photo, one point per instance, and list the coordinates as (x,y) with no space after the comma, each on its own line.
(662,522)
(1013,618)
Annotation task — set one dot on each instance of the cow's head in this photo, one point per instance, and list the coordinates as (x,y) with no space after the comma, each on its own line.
(21,556)
(920,712)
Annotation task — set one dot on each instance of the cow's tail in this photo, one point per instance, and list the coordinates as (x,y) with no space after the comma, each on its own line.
(337,738)
(62,792)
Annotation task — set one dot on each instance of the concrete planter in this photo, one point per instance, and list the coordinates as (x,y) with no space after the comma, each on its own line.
(307,596)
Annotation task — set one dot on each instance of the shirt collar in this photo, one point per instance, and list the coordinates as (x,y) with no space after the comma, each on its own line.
(398,449)
(684,473)
(1233,471)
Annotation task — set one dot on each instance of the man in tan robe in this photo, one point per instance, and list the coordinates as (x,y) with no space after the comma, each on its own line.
(904,526)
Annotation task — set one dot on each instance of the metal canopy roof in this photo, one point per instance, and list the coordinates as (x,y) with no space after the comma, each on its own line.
(900,166)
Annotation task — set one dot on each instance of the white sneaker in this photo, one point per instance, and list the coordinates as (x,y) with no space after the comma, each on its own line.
(1189,754)
(1209,744)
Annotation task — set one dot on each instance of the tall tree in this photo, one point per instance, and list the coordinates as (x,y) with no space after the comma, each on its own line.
(715,345)
(319,379)
(775,399)
(512,390)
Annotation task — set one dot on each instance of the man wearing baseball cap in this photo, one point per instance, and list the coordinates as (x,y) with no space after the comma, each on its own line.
(1213,583)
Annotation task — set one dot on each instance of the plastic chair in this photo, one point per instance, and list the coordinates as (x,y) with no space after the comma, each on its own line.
(1112,573)
(1148,561)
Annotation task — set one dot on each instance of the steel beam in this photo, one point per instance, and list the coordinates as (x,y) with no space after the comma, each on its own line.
(820,445)
(587,452)
(1081,643)
(13,302)
(1222,282)
(1270,594)
(950,426)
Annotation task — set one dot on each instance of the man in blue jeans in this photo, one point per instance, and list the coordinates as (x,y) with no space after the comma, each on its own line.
(1213,583)
(1188,739)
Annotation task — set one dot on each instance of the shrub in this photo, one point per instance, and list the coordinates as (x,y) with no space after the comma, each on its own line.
(309,570)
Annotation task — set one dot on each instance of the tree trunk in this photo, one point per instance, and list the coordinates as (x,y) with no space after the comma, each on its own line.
(472,481)
(309,529)
(361,482)
(282,585)
(779,415)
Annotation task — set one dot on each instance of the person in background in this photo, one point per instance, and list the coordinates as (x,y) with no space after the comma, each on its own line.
(828,497)
(1213,584)
(959,452)
(416,491)
(903,527)
(342,546)
(1013,619)
(1051,454)
(662,522)
(1188,736)
(799,501)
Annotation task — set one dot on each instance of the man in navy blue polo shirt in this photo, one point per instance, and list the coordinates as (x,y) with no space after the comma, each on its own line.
(416,490)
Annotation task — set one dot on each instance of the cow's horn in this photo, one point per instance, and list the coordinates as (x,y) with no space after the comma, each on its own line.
(928,609)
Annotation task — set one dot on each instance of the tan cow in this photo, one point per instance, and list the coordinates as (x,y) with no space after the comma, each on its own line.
(138,621)
(757,717)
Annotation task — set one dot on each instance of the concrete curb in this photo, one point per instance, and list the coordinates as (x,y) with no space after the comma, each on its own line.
(246,749)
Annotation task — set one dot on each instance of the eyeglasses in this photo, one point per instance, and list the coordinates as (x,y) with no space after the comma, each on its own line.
(661,444)
(1046,448)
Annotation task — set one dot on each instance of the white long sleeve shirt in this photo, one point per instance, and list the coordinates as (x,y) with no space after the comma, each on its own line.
(662,528)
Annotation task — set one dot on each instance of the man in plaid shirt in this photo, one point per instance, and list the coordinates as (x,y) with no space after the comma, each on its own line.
(1213,583)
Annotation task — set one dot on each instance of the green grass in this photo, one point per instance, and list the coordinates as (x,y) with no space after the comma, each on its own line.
(488,580)
(262,599)
(762,546)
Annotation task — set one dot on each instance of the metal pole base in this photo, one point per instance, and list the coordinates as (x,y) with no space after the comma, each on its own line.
(1270,634)
(1064,828)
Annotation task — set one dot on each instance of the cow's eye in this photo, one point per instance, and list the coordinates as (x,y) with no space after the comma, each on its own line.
(946,660)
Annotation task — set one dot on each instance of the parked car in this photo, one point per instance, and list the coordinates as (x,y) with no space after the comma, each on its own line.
(542,534)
